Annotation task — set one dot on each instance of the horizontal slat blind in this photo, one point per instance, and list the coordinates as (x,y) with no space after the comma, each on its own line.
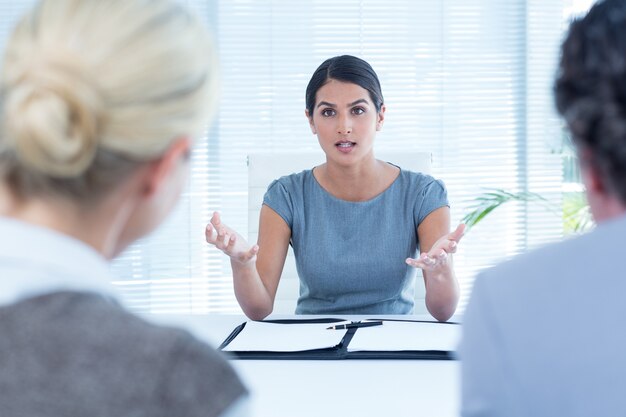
(467,80)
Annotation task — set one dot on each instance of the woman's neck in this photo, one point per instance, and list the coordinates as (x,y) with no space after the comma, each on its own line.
(97,227)
(358,182)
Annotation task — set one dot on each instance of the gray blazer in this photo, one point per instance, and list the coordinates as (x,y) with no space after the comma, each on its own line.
(77,354)
(545,334)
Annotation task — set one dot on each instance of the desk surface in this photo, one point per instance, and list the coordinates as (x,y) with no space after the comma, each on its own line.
(363,388)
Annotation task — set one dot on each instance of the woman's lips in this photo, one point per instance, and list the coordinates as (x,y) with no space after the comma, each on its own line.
(345,146)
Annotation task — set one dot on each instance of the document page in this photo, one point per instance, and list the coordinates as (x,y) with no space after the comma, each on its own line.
(273,337)
(405,335)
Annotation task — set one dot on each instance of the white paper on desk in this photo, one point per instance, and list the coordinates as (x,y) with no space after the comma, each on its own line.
(405,335)
(273,337)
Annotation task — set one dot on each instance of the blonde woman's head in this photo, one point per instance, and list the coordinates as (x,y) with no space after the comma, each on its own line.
(90,89)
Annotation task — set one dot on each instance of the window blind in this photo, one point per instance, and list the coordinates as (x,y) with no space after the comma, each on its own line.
(468,80)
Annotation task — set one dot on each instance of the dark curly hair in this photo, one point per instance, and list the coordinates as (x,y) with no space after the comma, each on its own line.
(590,90)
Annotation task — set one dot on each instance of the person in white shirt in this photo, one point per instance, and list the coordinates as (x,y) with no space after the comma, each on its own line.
(100,104)
(543,334)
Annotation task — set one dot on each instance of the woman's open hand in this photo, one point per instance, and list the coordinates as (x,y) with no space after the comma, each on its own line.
(229,241)
(438,254)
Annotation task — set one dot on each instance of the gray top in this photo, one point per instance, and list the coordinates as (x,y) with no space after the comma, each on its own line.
(350,256)
(544,333)
(67,348)
(77,354)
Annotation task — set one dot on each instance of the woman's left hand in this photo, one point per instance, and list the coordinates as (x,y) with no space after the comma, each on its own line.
(437,256)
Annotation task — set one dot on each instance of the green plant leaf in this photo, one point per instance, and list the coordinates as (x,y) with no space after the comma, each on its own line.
(491,200)
(575,211)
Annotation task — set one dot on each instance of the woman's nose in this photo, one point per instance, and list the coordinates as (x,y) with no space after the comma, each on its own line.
(344,126)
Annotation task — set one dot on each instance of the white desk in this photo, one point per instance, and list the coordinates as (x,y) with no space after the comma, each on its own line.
(354,388)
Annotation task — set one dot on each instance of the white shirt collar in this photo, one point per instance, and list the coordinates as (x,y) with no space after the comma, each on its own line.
(35,260)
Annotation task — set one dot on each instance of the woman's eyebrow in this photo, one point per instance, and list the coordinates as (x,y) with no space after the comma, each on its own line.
(359,101)
(354,103)
(327,104)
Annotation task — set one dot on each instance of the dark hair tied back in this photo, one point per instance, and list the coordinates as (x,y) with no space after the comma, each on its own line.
(349,69)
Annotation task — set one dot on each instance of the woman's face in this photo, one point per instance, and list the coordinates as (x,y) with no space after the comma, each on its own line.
(345,121)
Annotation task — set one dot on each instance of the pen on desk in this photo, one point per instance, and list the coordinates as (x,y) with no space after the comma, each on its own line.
(355,324)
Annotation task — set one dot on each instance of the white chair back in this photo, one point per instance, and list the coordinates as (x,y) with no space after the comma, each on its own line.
(265,167)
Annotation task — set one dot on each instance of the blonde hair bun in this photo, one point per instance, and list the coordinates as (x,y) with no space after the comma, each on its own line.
(91,89)
(52,116)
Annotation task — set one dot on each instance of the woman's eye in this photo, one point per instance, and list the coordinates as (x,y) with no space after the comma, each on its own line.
(328,112)
(358,110)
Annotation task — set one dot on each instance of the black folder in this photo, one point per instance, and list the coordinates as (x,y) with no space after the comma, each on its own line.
(337,352)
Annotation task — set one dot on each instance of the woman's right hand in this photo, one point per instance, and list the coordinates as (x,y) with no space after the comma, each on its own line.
(229,241)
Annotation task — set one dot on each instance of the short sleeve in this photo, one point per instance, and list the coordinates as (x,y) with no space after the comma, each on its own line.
(278,199)
(431,197)
(199,381)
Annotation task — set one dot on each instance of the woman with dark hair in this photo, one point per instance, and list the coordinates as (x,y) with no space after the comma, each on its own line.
(355,222)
